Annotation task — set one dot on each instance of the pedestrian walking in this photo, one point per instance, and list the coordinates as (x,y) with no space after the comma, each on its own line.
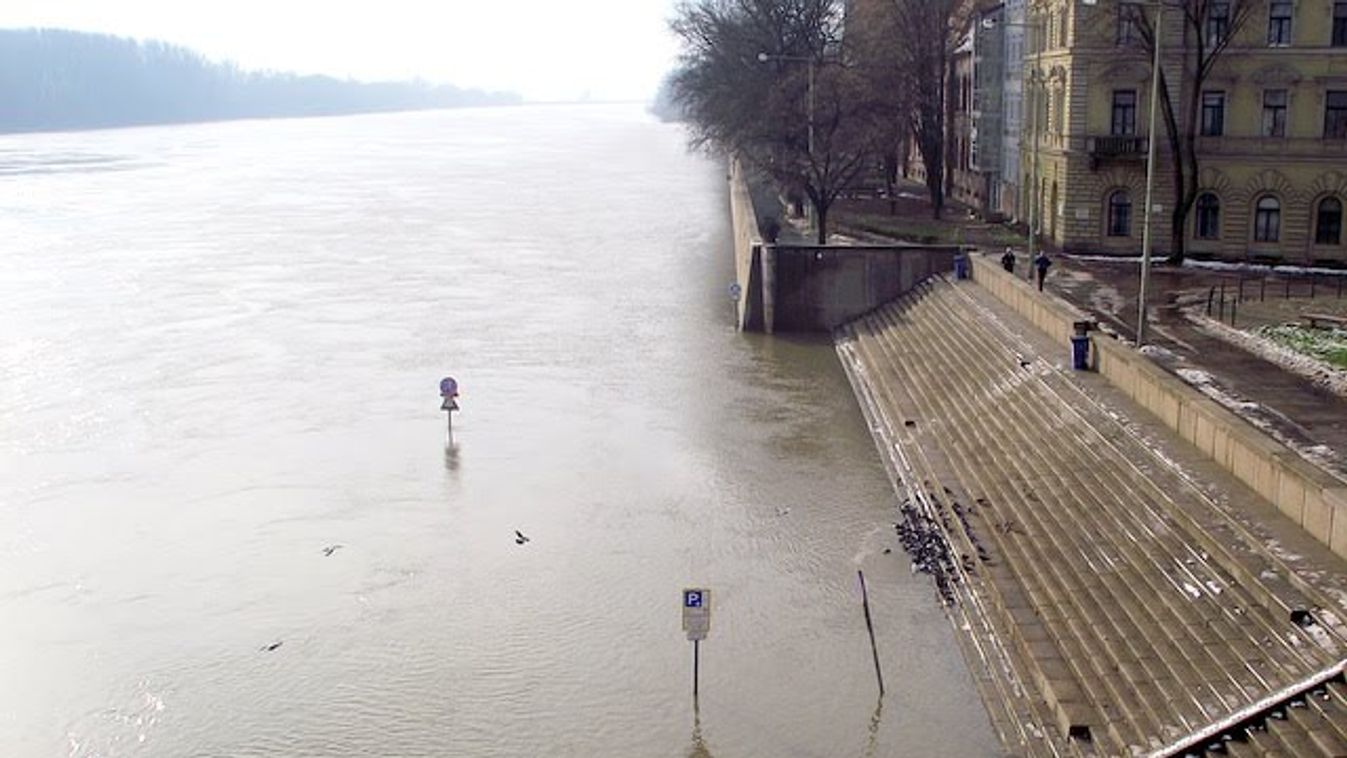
(1008,261)
(1041,263)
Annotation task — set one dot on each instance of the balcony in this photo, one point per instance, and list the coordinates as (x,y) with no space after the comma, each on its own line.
(1115,147)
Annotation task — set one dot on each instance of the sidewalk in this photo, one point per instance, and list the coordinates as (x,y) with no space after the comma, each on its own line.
(1292,408)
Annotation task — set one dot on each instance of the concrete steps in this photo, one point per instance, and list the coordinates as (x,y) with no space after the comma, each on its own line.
(1130,631)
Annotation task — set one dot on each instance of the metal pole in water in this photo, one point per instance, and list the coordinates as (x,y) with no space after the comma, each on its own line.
(696,666)
(870,627)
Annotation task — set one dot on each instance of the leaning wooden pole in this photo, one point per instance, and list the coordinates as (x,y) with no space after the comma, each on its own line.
(870,627)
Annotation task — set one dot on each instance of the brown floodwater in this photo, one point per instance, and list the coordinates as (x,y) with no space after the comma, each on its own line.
(220,347)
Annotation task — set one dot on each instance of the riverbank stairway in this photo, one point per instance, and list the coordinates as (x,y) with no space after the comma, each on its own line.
(1107,603)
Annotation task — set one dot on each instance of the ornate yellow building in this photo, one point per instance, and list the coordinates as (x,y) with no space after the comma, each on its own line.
(1272,120)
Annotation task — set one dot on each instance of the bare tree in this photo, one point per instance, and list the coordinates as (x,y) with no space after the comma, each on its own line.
(872,42)
(766,80)
(1208,26)
(925,38)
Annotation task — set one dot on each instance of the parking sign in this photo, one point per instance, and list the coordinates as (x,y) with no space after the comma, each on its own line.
(696,613)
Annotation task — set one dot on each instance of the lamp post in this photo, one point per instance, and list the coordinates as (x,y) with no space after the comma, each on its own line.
(1156,36)
(1035,202)
(813,64)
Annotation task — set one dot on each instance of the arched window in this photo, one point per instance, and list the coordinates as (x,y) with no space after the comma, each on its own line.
(1267,220)
(1328,222)
(1120,214)
(1208,217)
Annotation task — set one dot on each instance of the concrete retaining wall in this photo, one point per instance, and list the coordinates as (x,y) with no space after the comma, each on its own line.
(747,250)
(817,288)
(1307,494)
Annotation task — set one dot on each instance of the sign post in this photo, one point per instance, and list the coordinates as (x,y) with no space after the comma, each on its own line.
(449,401)
(697,623)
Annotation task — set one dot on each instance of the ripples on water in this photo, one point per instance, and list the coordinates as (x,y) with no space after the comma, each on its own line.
(223,356)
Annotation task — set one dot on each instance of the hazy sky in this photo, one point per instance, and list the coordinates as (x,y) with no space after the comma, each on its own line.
(542,49)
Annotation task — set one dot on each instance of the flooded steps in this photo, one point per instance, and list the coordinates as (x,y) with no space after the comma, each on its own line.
(1221,692)
(1128,624)
(1017,709)
(1071,615)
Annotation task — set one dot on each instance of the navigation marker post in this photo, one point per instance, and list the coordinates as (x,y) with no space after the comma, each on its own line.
(449,401)
(697,623)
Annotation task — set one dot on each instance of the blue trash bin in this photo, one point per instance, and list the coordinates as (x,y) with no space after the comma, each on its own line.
(1080,352)
(960,266)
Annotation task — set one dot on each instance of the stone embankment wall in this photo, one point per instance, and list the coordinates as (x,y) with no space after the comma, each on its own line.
(747,250)
(793,288)
(1309,495)
(818,288)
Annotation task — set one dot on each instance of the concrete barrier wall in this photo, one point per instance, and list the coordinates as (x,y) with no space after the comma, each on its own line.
(747,249)
(813,287)
(817,287)
(1307,494)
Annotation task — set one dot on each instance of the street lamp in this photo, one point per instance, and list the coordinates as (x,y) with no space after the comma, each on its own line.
(812,63)
(1035,200)
(1156,35)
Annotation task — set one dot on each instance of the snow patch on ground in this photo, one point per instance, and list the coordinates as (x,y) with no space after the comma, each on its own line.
(1155,351)
(1206,384)
(1316,371)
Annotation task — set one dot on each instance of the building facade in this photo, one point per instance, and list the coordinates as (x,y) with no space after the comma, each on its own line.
(1012,30)
(1271,130)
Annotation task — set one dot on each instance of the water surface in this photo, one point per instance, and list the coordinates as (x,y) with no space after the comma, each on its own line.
(220,351)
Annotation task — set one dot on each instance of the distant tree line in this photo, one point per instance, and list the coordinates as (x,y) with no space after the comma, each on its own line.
(55,79)
(665,105)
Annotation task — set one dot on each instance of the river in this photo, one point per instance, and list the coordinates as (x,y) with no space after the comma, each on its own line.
(220,346)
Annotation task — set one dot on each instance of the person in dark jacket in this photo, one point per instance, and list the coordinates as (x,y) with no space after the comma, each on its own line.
(1041,263)
(1008,261)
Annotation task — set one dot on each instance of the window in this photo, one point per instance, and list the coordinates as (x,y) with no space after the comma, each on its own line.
(1213,114)
(1267,220)
(1124,112)
(1274,113)
(1328,225)
(1279,23)
(1218,24)
(1129,24)
(1120,214)
(1340,24)
(1208,217)
(1335,115)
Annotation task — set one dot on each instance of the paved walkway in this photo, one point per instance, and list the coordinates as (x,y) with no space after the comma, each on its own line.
(1119,593)
(1291,407)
